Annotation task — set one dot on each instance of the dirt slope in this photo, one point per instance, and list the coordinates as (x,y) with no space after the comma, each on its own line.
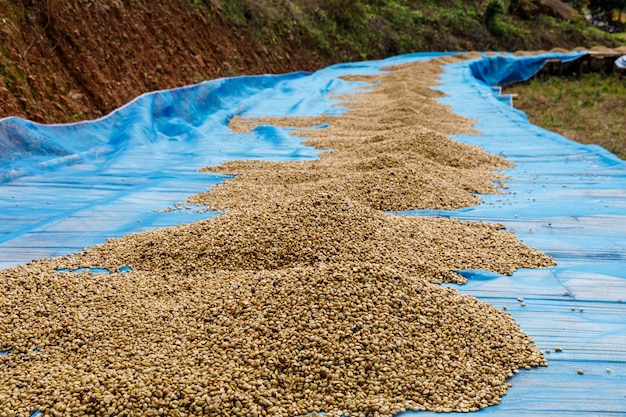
(77,59)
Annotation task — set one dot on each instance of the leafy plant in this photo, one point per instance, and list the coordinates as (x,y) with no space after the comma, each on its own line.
(493,9)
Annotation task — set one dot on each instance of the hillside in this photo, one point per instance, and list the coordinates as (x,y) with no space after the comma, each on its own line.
(71,60)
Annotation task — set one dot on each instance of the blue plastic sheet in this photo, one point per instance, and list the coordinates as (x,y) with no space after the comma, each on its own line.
(568,200)
(564,198)
(508,69)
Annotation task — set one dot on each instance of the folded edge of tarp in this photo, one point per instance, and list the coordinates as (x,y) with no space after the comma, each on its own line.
(29,148)
(508,69)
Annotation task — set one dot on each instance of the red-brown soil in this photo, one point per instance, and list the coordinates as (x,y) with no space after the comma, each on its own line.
(80,59)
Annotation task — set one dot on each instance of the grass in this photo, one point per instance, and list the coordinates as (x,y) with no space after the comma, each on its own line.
(370,29)
(589,110)
(620,38)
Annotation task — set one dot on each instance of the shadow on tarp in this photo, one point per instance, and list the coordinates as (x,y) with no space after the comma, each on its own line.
(564,198)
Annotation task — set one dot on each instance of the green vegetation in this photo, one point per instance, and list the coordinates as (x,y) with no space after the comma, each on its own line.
(494,8)
(368,29)
(590,109)
(10,77)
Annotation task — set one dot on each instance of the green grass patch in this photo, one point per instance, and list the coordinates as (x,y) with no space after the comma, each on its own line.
(620,38)
(589,110)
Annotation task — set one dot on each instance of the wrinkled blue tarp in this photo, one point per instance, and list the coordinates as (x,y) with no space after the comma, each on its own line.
(150,125)
(621,62)
(508,69)
(564,198)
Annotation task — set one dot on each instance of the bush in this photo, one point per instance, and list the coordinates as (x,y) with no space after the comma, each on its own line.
(347,14)
(494,8)
(514,6)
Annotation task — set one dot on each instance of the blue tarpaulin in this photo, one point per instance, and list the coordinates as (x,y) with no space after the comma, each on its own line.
(508,69)
(75,185)
(568,200)
(65,187)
